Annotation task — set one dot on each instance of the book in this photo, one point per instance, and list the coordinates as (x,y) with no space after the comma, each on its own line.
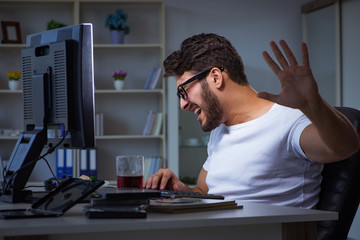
(99,124)
(157,124)
(151,166)
(182,205)
(153,78)
(150,78)
(149,124)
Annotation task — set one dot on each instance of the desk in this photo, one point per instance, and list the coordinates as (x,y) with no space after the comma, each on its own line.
(254,221)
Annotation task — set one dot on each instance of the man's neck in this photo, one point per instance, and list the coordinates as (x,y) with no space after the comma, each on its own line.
(241,104)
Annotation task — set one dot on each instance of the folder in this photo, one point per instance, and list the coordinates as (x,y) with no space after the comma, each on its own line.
(92,162)
(69,160)
(60,163)
(83,162)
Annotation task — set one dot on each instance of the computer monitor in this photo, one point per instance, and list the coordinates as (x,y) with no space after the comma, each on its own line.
(58,101)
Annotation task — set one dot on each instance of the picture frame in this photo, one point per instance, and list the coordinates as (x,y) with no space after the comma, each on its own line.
(11,32)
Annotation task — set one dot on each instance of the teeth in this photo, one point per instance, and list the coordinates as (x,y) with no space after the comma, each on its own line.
(197,111)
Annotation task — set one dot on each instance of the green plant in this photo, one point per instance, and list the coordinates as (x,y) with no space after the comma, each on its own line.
(117,21)
(52,24)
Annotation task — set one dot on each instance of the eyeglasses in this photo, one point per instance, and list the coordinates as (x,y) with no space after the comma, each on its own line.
(181,92)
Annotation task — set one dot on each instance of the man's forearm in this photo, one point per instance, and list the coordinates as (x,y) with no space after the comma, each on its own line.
(334,129)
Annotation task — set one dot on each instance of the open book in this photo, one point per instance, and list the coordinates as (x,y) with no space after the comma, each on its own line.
(180,205)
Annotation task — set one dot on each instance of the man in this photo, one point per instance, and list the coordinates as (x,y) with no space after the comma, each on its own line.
(263,147)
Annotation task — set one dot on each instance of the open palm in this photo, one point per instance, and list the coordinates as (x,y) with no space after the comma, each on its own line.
(298,86)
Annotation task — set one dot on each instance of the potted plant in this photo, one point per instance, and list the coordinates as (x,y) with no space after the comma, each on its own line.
(52,24)
(119,77)
(14,77)
(117,25)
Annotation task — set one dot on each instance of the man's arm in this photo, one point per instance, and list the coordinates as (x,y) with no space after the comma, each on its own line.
(330,137)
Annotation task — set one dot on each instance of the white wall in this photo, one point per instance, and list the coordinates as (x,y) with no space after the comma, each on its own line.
(249,24)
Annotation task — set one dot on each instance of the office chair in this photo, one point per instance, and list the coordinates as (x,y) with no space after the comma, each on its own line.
(340,189)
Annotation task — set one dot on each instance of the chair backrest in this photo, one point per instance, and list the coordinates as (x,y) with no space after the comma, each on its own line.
(340,189)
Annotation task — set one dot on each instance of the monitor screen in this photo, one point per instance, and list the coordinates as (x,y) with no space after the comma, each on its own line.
(58,101)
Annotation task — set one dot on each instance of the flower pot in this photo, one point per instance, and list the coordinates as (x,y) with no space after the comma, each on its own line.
(119,84)
(13,85)
(117,37)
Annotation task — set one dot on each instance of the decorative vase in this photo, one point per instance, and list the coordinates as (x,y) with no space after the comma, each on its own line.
(117,36)
(119,84)
(13,85)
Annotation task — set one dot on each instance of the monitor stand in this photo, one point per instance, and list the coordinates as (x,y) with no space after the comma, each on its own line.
(19,168)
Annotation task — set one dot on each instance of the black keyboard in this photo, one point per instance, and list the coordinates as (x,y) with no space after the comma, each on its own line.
(188,194)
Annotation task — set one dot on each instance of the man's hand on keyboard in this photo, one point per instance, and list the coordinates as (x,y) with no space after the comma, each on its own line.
(165,179)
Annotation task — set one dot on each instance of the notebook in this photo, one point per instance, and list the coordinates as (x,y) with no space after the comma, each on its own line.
(57,202)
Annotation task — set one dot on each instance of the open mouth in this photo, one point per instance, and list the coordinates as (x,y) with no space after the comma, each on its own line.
(197,111)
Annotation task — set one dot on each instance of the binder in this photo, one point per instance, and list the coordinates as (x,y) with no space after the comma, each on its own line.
(83,162)
(60,163)
(92,162)
(69,161)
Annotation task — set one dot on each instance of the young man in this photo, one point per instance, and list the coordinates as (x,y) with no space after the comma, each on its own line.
(263,147)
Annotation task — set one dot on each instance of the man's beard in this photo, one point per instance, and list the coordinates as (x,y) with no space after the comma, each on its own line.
(212,109)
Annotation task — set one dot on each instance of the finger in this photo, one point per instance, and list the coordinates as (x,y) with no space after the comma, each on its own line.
(271,63)
(164,180)
(305,55)
(155,181)
(278,54)
(145,183)
(289,54)
(148,182)
(268,96)
(176,187)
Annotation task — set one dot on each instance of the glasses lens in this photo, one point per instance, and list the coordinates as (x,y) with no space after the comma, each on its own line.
(181,93)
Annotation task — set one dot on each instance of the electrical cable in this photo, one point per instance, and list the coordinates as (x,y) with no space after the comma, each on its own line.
(49,151)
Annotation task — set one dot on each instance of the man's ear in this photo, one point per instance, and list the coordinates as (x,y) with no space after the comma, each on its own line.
(217,78)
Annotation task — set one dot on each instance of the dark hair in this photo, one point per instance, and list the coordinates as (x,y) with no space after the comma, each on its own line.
(204,51)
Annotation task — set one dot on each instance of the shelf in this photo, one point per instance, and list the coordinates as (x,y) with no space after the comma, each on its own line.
(9,137)
(113,91)
(193,146)
(107,137)
(12,45)
(10,91)
(105,45)
(96,45)
(101,91)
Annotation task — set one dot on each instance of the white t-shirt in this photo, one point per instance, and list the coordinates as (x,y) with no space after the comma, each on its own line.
(262,161)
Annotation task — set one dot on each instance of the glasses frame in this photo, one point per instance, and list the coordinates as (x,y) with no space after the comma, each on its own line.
(181,92)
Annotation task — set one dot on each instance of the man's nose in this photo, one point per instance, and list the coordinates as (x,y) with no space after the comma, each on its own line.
(184,104)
